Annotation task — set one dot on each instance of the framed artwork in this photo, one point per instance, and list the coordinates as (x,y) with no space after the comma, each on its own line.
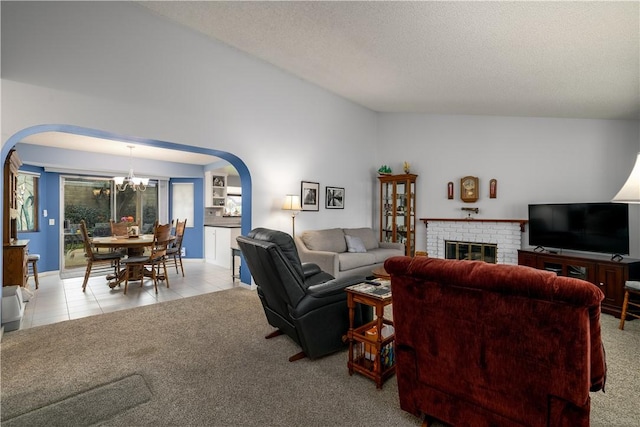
(310,196)
(493,188)
(334,198)
(450,190)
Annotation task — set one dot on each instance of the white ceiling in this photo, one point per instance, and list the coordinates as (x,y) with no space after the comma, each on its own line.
(512,58)
(517,58)
(118,148)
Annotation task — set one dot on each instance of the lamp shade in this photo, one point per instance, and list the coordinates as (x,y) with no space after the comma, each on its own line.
(291,203)
(630,191)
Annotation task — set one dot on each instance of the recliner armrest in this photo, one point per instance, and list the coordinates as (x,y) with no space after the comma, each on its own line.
(309,269)
(327,293)
(333,286)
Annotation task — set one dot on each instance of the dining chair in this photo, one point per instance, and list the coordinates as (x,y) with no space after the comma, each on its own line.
(157,257)
(119,229)
(94,257)
(174,250)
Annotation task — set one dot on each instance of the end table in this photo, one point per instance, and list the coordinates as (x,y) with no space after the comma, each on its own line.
(371,346)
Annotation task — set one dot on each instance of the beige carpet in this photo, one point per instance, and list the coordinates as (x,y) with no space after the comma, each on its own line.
(203,361)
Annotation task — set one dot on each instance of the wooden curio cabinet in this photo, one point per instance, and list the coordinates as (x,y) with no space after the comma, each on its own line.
(10,213)
(14,258)
(397,210)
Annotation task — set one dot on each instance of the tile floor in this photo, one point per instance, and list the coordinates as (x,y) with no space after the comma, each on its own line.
(59,299)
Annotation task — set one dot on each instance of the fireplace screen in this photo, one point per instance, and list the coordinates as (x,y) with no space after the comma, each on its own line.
(486,252)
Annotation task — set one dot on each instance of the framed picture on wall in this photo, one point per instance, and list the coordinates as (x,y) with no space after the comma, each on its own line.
(334,198)
(310,196)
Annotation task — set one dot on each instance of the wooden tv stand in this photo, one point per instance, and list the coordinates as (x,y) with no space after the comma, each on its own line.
(601,270)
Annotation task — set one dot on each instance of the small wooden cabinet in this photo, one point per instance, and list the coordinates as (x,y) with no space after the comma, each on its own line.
(397,210)
(14,263)
(600,270)
(611,278)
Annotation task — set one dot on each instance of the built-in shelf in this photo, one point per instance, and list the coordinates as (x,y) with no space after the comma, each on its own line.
(216,191)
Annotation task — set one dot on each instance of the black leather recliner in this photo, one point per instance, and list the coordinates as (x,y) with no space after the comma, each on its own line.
(302,301)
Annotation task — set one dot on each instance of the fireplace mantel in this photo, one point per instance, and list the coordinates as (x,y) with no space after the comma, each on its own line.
(522,222)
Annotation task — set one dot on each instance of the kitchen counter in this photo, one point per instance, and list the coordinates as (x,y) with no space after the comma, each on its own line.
(213,220)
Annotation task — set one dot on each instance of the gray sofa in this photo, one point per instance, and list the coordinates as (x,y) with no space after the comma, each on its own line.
(330,250)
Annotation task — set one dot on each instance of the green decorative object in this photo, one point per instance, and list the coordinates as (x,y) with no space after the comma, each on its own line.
(384,170)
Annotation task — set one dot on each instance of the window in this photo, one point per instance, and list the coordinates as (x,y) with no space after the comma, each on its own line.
(27,202)
(182,201)
(95,201)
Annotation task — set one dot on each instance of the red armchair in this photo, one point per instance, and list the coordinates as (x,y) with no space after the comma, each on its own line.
(495,345)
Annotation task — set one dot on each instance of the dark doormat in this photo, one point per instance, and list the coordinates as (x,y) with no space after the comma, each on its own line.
(90,406)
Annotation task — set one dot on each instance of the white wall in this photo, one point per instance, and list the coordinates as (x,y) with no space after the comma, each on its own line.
(535,160)
(116,67)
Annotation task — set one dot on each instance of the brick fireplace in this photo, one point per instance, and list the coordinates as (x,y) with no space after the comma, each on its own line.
(506,234)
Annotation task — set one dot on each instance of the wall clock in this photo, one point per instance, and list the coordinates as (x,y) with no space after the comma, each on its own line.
(469,189)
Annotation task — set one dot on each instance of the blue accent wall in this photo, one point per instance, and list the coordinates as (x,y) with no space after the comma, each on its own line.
(45,241)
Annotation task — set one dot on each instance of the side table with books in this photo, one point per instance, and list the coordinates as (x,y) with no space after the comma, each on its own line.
(371,351)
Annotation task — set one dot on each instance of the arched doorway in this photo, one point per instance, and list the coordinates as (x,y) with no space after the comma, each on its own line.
(237,163)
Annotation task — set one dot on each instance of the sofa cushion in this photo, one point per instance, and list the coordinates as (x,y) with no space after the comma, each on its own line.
(349,261)
(367,236)
(354,244)
(381,254)
(330,240)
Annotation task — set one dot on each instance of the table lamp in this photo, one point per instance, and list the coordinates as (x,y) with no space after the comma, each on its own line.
(630,191)
(292,203)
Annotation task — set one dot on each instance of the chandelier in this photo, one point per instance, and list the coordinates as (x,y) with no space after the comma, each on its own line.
(130,181)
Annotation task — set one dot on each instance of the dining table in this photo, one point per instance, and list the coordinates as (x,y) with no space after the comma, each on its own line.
(134,246)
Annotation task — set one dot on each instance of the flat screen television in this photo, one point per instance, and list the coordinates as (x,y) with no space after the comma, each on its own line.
(589,227)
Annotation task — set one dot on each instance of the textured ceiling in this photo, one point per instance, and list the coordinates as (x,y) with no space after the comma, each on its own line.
(518,58)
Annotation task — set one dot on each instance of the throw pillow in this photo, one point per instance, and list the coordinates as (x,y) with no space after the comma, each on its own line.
(355,244)
(366,234)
